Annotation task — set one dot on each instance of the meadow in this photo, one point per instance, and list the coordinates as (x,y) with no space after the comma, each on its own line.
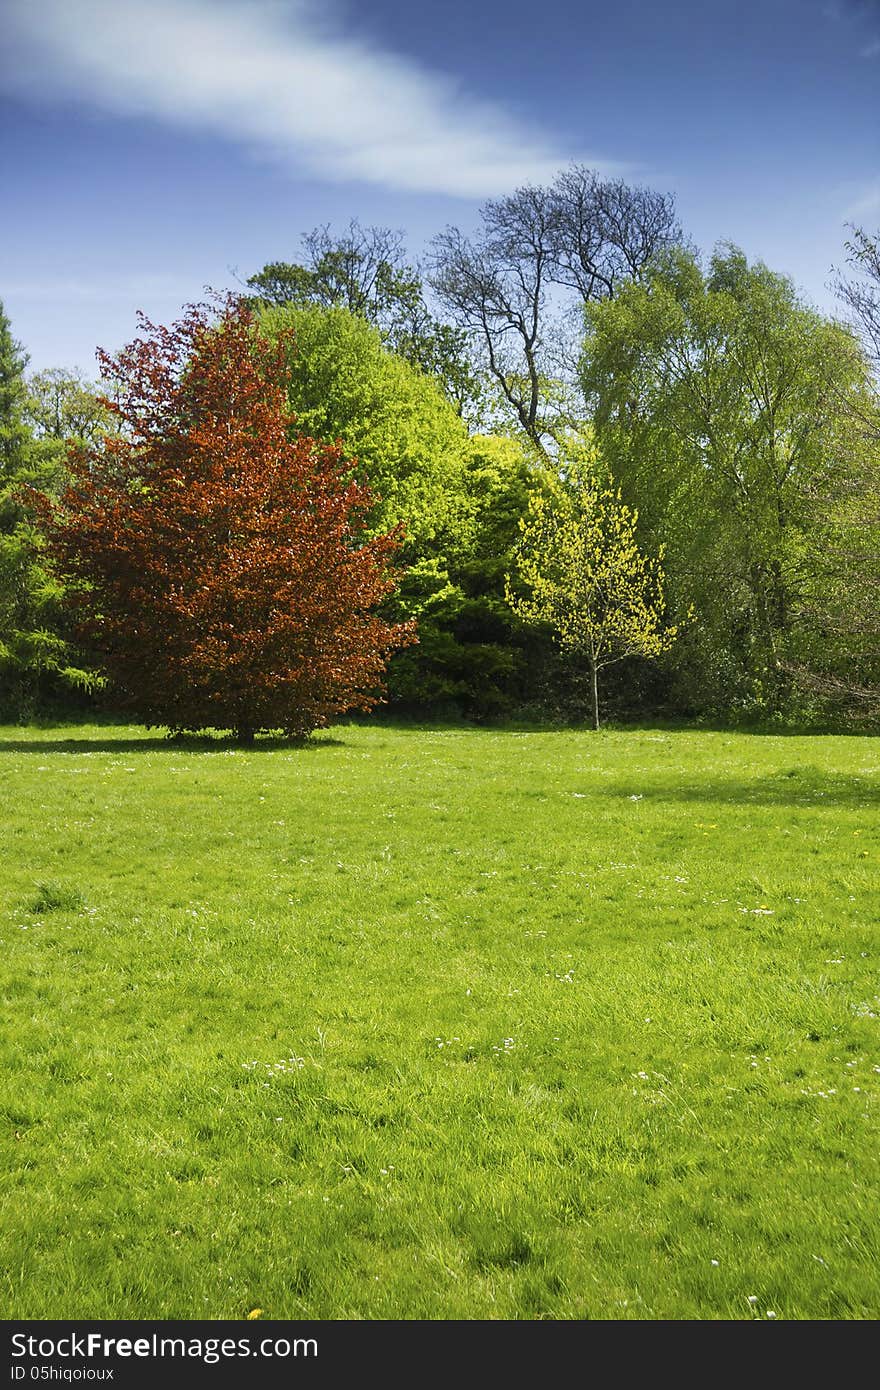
(440,1023)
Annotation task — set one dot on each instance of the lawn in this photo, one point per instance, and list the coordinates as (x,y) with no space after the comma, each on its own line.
(440,1023)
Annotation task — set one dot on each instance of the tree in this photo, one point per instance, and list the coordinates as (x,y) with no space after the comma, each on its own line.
(474,655)
(585,576)
(496,289)
(344,383)
(845,599)
(441,351)
(365,271)
(716,403)
(60,405)
(218,561)
(459,497)
(37,661)
(584,235)
(14,435)
(860,288)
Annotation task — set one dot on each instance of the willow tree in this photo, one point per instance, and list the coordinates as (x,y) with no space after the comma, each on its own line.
(716,396)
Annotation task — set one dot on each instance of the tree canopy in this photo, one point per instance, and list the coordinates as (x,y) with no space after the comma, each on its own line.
(365,271)
(736,433)
(218,562)
(716,397)
(38,661)
(582,236)
(403,436)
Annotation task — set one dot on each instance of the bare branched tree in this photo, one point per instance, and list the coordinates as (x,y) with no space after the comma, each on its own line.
(582,234)
(495,288)
(859,289)
(606,231)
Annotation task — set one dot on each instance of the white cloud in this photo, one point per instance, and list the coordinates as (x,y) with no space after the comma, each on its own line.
(282,78)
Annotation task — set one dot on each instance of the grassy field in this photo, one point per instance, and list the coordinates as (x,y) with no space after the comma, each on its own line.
(440,1023)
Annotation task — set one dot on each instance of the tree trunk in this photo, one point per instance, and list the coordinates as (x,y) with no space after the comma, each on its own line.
(594,682)
(244,735)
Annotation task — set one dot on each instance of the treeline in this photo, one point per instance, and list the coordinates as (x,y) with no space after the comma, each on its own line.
(574,363)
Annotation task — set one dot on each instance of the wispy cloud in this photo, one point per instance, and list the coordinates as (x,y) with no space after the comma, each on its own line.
(284,78)
(856,12)
(867,200)
(107,288)
(870,203)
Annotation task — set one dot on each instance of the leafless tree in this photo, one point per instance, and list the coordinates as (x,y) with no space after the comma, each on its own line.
(606,231)
(495,288)
(859,289)
(582,236)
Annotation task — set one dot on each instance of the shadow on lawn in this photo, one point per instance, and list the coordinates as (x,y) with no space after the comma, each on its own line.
(190,744)
(798,787)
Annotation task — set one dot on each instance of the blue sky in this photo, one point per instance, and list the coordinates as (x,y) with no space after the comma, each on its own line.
(152,147)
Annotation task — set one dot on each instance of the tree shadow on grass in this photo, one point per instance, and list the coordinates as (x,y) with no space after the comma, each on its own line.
(186,744)
(511,724)
(797,787)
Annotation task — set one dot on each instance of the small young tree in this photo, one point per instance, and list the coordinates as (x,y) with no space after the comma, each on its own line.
(584,575)
(218,562)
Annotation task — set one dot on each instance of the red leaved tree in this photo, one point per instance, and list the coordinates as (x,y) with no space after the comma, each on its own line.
(217,562)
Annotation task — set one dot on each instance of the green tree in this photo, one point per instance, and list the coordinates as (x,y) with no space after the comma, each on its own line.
(60,405)
(14,434)
(716,401)
(408,442)
(458,497)
(843,602)
(365,271)
(585,576)
(37,660)
(474,654)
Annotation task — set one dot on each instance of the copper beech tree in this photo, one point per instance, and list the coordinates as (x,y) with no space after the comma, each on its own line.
(218,562)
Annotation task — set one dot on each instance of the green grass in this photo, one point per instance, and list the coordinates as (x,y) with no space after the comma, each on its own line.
(441,1024)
